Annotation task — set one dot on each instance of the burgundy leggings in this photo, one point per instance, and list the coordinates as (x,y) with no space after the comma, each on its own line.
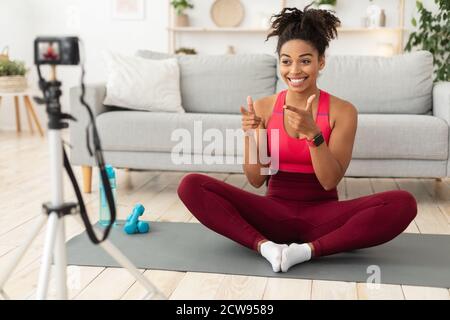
(296,208)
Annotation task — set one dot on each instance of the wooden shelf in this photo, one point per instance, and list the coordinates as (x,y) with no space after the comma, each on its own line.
(173,30)
(214,29)
(357,29)
(250,30)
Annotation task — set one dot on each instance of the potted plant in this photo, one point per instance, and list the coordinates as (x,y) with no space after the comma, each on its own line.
(184,51)
(12,75)
(433,35)
(329,5)
(182,19)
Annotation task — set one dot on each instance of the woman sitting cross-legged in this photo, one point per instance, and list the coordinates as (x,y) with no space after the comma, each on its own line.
(300,217)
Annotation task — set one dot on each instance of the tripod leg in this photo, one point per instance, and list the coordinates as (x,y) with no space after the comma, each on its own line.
(54,235)
(14,262)
(61,261)
(117,255)
(44,272)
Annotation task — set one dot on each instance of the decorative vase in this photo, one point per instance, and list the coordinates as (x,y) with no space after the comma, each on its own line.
(13,84)
(182,20)
(373,13)
(382,21)
(231,50)
(328,7)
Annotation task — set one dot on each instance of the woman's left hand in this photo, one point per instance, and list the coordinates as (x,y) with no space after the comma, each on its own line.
(302,121)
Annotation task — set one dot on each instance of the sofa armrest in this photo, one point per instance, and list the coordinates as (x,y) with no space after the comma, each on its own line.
(94,96)
(441,100)
(441,106)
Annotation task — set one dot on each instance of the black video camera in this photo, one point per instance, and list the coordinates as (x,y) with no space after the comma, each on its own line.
(56,51)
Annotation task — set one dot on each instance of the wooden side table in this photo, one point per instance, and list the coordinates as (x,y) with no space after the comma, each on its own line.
(29,109)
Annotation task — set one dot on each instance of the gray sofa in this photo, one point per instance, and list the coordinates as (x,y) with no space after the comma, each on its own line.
(403,121)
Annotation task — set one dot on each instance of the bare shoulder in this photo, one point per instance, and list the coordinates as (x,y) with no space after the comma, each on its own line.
(342,111)
(264,106)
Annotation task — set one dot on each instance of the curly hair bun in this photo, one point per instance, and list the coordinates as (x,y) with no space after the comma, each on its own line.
(318,27)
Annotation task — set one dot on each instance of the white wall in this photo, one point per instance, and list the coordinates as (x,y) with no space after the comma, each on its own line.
(91,20)
(88,19)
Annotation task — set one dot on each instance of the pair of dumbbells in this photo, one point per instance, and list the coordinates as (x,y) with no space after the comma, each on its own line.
(133,225)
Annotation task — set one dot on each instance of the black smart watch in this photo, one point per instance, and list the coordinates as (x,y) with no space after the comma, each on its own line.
(317,140)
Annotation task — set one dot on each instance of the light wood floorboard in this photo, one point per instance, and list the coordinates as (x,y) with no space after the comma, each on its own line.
(24,186)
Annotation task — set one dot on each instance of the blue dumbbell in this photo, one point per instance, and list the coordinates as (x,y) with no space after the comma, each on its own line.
(133,225)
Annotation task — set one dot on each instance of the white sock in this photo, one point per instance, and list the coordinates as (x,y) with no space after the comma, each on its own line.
(272,252)
(294,254)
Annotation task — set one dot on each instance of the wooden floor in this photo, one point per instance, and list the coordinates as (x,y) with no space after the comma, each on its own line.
(24,185)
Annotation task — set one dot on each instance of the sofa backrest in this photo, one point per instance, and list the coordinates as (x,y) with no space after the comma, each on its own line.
(221,83)
(397,84)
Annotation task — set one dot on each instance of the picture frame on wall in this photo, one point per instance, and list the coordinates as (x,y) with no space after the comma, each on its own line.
(127,9)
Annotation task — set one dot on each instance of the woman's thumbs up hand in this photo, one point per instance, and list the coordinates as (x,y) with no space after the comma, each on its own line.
(249,118)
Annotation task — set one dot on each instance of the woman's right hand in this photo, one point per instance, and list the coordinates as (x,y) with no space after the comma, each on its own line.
(249,118)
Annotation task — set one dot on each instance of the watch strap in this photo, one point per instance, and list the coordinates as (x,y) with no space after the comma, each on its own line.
(316,141)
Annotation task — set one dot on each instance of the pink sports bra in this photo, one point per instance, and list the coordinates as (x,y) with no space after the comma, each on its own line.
(294,155)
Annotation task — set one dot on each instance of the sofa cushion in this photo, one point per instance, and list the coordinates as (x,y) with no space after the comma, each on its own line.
(405,136)
(377,137)
(152,131)
(221,83)
(143,84)
(398,84)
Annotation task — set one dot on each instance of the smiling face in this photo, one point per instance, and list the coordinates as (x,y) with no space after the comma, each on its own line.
(300,64)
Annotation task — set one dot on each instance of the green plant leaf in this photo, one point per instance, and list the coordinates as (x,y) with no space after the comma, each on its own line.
(419,5)
(331,2)
(432,33)
(12,68)
(181,5)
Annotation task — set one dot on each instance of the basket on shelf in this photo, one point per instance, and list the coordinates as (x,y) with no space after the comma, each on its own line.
(13,82)
(4,54)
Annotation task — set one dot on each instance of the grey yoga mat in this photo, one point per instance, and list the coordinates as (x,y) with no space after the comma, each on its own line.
(412,259)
